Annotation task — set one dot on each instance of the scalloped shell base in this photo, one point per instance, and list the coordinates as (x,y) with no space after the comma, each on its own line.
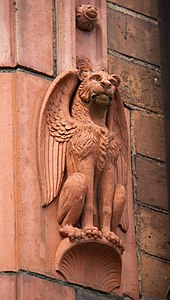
(92,263)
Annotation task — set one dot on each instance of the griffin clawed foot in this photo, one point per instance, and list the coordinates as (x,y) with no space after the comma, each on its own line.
(77,234)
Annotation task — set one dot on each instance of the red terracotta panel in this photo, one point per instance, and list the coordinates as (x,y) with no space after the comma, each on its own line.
(7,287)
(33,288)
(34,31)
(7,55)
(129,258)
(37,225)
(7,174)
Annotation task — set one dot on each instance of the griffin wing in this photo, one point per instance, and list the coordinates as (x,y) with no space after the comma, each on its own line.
(117,124)
(55,128)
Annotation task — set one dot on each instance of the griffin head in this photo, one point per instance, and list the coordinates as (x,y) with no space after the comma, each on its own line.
(98,87)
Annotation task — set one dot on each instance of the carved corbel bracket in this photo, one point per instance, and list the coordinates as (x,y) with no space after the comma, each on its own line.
(93,263)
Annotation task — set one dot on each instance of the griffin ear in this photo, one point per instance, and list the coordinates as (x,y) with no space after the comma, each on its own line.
(117,79)
(82,74)
(84,67)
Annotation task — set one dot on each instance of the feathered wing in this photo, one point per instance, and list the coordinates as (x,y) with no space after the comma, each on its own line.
(55,128)
(117,123)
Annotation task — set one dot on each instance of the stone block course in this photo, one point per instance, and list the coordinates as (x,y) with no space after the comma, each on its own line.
(147,7)
(133,36)
(139,85)
(34,35)
(27,35)
(7,174)
(148,134)
(36,234)
(153,232)
(8,287)
(151,182)
(155,277)
(34,288)
(7,43)
(83,294)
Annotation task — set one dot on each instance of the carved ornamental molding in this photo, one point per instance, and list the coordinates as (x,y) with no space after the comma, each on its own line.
(86,17)
(82,157)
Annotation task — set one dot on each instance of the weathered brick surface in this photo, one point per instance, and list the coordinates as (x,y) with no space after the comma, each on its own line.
(133,36)
(7,173)
(8,287)
(140,85)
(7,45)
(155,277)
(148,134)
(33,288)
(34,34)
(147,7)
(88,295)
(151,182)
(153,232)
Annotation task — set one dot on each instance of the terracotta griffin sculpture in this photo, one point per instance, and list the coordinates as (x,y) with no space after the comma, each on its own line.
(82,157)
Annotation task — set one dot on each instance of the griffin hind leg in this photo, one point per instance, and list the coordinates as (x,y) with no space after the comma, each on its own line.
(71,203)
(110,196)
(118,206)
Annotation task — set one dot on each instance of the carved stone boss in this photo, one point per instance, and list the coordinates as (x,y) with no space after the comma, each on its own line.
(82,158)
(86,17)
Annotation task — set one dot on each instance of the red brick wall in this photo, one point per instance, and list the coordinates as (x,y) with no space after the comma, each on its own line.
(133,53)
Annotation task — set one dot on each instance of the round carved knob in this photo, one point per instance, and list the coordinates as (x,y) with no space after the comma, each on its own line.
(86,17)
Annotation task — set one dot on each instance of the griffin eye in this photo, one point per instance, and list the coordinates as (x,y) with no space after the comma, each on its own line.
(112,80)
(96,77)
